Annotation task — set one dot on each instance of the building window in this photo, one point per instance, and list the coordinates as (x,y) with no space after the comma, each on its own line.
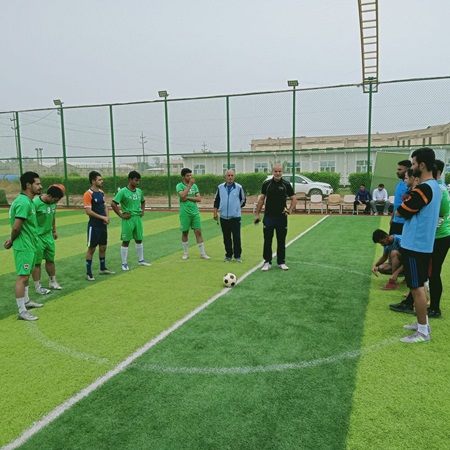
(328,166)
(361,165)
(429,141)
(403,143)
(289,167)
(409,142)
(199,169)
(423,142)
(261,167)
(225,168)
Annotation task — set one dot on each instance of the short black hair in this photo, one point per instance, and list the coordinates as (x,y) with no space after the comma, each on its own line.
(55,192)
(378,235)
(410,172)
(381,185)
(93,175)
(185,171)
(27,178)
(425,155)
(134,174)
(406,163)
(440,165)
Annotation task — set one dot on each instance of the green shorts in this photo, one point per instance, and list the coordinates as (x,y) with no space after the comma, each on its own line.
(190,221)
(132,229)
(24,261)
(45,248)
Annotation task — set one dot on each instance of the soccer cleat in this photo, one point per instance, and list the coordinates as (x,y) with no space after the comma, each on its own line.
(227,259)
(144,263)
(30,305)
(106,272)
(434,314)
(42,291)
(266,266)
(390,286)
(54,285)
(90,277)
(125,267)
(205,256)
(238,260)
(415,327)
(402,307)
(283,267)
(416,338)
(25,315)
(185,256)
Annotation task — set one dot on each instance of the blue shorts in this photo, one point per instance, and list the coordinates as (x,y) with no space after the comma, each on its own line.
(97,235)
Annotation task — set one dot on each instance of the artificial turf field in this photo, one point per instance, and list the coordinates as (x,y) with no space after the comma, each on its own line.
(304,359)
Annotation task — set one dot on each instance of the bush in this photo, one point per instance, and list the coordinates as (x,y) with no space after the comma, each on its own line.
(3,201)
(358,178)
(331,178)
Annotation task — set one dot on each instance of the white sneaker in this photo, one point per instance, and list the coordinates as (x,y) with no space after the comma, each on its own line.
(54,285)
(375,214)
(26,316)
(125,267)
(266,267)
(90,277)
(205,256)
(283,267)
(185,256)
(42,291)
(144,263)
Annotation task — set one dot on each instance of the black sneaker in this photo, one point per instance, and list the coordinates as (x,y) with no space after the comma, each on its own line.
(434,314)
(402,307)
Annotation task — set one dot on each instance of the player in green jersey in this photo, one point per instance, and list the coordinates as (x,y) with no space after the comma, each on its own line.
(22,216)
(189,196)
(132,207)
(46,221)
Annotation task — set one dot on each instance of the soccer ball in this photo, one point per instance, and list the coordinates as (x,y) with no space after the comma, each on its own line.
(61,186)
(229,280)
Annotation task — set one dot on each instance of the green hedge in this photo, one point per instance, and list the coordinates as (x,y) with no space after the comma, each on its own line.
(331,178)
(358,178)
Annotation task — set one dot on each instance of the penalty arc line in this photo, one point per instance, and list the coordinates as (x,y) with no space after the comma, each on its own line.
(60,409)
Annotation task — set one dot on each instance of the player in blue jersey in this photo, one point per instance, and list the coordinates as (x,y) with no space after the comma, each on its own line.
(396,224)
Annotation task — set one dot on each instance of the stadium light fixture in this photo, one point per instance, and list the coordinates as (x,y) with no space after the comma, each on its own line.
(293,83)
(58,102)
(163,94)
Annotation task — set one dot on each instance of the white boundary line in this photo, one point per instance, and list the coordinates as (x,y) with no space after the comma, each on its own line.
(55,413)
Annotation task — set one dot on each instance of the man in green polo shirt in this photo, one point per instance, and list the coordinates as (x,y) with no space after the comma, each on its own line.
(23,240)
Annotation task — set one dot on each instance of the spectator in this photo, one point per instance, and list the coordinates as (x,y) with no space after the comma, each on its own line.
(362,197)
(380,197)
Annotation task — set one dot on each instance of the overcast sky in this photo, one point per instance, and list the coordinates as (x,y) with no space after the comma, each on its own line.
(108,51)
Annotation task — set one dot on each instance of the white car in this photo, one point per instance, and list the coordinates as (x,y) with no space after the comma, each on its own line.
(309,187)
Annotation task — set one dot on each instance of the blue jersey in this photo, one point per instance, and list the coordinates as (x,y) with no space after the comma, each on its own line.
(400,191)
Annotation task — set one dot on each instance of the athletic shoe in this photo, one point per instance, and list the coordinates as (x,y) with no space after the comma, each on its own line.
(25,315)
(125,267)
(434,314)
(390,286)
(106,272)
(415,327)
(375,214)
(266,266)
(54,285)
(205,256)
(416,338)
(144,263)
(42,291)
(227,259)
(90,277)
(283,267)
(402,307)
(30,305)
(238,260)
(185,256)
(385,214)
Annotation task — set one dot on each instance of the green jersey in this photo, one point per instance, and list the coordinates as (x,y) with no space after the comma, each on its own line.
(44,215)
(130,201)
(444,229)
(188,207)
(23,208)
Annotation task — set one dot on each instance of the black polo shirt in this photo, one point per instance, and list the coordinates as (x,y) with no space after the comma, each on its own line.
(276,193)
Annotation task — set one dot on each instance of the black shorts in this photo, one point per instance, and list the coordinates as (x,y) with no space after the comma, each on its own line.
(416,267)
(97,235)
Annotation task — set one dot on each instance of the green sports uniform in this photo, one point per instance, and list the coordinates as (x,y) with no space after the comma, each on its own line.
(45,214)
(24,246)
(130,202)
(189,213)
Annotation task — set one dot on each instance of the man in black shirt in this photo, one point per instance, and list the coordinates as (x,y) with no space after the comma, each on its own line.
(274,193)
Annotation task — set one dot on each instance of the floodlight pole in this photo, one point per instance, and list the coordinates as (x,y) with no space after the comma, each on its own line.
(228,131)
(164,94)
(18,144)
(294,84)
(369,128)
(113,146)
(63,140)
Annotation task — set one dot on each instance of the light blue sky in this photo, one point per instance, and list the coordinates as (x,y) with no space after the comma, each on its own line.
(106,51)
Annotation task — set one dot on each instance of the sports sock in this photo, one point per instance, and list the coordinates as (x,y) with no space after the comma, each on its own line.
(140,251)
(89,267)
(202,248)
(102,264)
(21,304)
(422,329)
(185,247)
(37,284)
(53,279)
(26,297)
(124,254)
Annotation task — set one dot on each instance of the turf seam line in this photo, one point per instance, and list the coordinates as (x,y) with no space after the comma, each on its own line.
(60,409)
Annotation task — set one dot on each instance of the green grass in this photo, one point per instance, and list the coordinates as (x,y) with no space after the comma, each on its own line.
(307,358)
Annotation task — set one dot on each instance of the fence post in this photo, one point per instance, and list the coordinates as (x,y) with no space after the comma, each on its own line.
(18,144)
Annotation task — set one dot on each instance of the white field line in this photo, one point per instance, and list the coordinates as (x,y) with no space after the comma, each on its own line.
(55,413)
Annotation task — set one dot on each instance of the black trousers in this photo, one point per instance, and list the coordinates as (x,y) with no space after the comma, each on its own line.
(440,250)
(231,230)
(367,210)
(279,226)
